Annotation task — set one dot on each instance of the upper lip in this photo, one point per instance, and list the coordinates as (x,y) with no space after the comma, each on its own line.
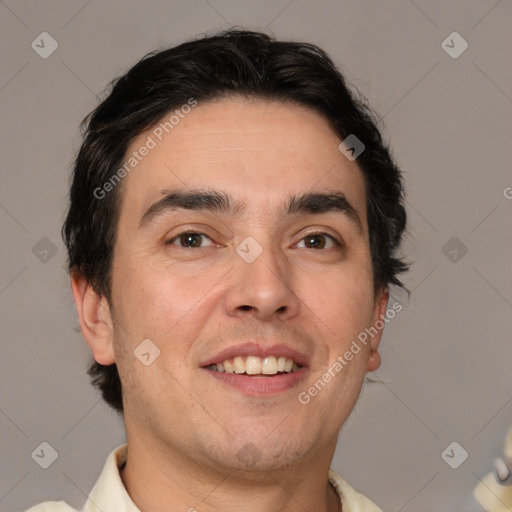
(258,350)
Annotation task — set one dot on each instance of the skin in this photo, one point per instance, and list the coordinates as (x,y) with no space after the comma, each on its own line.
(185,428)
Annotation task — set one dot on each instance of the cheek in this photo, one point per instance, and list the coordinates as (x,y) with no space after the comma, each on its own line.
(342,299)
(157,300)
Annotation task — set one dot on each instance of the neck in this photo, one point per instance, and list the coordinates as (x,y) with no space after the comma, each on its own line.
(154,478)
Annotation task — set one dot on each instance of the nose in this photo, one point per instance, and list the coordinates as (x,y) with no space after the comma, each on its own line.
(262,289)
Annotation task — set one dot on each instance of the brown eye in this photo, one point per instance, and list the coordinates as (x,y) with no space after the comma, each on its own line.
(318,241)
(189,240)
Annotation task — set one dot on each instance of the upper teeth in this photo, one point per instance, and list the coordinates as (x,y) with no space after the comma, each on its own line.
(253,365)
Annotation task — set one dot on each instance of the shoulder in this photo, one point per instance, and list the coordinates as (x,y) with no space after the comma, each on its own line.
(107,494)
(52,506)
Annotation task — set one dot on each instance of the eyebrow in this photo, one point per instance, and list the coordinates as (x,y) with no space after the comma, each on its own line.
(221,202)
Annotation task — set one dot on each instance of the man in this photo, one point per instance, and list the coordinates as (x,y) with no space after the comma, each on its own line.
(231,234)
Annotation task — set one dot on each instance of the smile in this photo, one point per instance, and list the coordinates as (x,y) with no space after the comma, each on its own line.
(253,365)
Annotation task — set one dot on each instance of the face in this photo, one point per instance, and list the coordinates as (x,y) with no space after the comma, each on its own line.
(242,253)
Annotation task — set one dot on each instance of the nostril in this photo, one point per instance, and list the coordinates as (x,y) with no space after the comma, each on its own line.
(245,308)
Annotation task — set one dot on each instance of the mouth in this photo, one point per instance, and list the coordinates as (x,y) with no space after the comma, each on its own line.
(257,366)
(257,371)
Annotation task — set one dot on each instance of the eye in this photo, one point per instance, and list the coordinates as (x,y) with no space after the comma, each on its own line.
(318,241)
(189,240)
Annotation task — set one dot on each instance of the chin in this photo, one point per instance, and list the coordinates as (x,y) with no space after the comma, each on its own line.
(269,452)
(251,461)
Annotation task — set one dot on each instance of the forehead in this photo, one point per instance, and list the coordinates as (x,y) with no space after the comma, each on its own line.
(255,149)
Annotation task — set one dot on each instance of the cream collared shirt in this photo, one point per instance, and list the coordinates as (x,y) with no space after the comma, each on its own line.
(109,493)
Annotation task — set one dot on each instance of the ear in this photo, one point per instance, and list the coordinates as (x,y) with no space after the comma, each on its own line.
(379,313)
(95,319)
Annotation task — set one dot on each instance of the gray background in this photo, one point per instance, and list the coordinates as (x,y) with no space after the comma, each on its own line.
(446,358)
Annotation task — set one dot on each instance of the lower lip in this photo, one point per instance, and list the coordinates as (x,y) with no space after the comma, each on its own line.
(260,386)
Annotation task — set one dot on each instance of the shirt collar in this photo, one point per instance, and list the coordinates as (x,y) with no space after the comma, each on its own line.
(109,493)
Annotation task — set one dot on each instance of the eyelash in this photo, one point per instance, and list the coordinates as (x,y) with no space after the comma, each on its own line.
(171,241)
(336,242)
